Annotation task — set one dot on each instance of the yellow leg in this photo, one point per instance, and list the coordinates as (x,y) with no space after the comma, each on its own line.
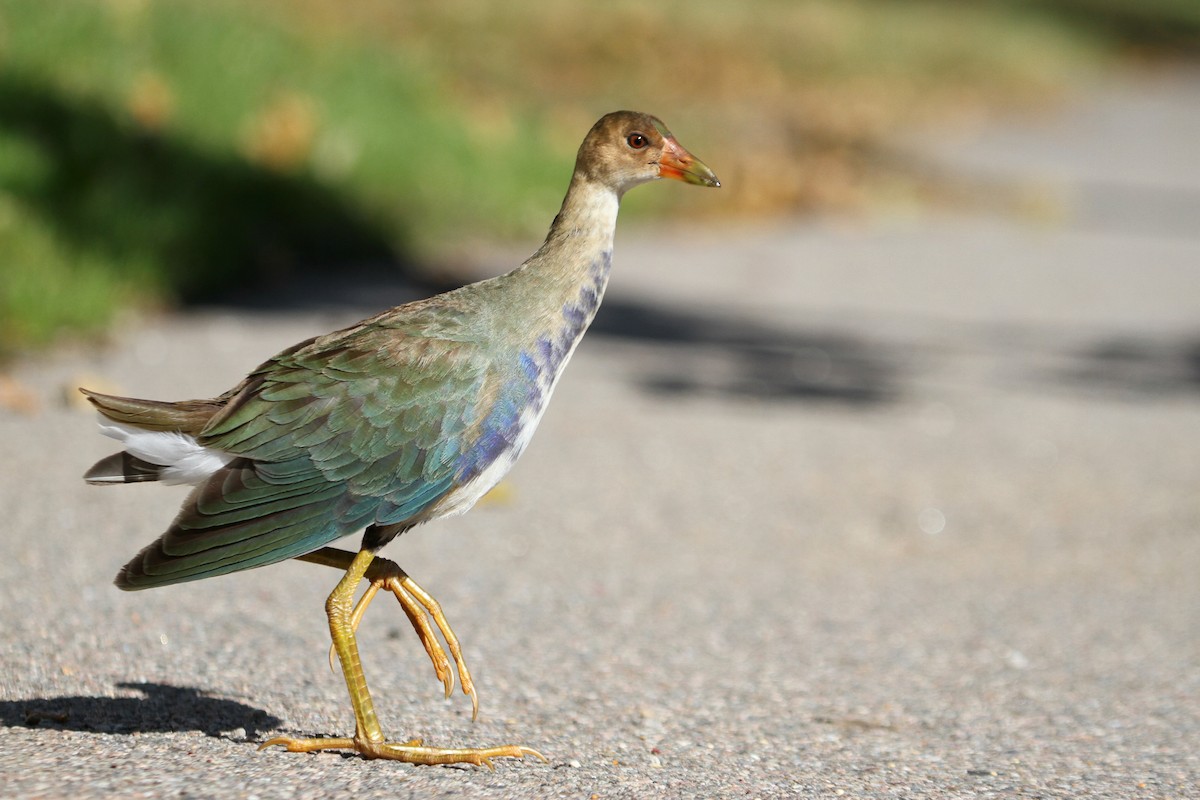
(418,605)
(368,735)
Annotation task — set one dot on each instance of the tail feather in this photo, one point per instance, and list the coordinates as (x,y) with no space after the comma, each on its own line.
(159,440)
(186,416)
(122,468)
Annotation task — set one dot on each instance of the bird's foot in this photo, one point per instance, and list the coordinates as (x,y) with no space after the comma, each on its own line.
(420,607)
(412,752)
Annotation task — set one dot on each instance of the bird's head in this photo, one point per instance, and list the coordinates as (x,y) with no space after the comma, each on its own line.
(626,148)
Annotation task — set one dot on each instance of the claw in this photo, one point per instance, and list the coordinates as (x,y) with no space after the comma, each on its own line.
(433,648)
(435,610)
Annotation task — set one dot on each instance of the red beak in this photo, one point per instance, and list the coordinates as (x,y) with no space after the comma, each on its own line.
(681,165)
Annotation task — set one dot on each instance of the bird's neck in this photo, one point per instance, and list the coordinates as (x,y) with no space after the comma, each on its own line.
(581,235)
(566,278)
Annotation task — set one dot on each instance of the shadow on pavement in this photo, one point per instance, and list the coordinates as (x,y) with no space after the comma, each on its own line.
(723,355)
(1136,367)
(163,709)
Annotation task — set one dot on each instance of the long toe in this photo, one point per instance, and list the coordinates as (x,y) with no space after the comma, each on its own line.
(411,752)
(479,756)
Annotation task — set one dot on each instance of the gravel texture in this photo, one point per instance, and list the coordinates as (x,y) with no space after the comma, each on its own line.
(895,509)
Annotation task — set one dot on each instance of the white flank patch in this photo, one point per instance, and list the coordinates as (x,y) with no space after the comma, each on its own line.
(183,459)
(470,493)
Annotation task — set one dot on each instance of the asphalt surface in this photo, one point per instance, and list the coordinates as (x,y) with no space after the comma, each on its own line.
(901,507)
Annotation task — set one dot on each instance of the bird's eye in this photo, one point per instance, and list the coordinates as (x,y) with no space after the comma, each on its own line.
(636,140)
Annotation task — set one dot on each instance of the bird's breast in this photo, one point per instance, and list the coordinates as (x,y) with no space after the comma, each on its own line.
(508,425)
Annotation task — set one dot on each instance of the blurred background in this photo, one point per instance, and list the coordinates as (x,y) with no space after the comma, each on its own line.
(157,153)
(875,477)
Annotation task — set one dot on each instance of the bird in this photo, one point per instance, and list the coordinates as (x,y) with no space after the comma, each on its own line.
(408,416)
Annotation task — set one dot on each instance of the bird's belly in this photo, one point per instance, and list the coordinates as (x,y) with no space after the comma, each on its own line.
(461,499)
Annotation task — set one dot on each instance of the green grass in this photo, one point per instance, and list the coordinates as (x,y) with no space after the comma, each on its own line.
(63,288)
(158,151)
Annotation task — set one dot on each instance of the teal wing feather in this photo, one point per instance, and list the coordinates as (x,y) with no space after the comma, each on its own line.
(364,426)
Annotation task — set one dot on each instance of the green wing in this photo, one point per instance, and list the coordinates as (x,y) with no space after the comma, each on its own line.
(364,426)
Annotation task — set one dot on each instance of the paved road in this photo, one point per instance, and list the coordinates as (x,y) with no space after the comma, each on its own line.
(903,508)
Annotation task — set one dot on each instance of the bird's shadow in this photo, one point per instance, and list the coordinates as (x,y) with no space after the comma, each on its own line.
(161,709)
